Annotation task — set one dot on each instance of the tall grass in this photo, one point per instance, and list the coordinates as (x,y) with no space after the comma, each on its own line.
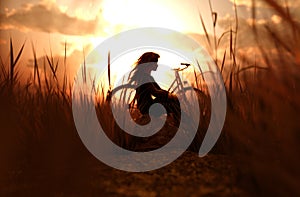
(261,131)
(37,129)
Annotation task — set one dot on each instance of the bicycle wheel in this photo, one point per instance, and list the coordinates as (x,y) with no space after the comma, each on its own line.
(123,94)
(120,98)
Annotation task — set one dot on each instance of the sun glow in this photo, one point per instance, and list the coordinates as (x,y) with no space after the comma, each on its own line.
(137,13)
(124,63)
(176,50)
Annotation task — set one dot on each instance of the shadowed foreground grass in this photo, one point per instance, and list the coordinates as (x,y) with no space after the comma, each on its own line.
(257,154)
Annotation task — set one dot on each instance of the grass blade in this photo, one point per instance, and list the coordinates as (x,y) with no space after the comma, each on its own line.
(36,68)
(205,30)
(223,62)
(11,60)
(50,63)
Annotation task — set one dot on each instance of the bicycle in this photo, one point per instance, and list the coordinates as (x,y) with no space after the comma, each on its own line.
(126,92)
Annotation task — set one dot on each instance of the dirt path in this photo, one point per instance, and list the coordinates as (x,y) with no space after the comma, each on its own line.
(189,175)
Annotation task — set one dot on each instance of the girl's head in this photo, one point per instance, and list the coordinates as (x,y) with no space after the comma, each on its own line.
(147,58)
(147,62)
(144,65)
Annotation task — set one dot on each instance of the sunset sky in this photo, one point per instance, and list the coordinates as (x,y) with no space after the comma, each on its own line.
(84,24)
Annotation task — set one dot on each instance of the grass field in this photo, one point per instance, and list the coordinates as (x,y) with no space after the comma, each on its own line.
(260,136)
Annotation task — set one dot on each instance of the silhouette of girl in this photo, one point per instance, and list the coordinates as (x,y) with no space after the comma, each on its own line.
(149,93)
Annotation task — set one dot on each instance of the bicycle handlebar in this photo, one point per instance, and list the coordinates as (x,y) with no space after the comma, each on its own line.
(186,64)
(181,69)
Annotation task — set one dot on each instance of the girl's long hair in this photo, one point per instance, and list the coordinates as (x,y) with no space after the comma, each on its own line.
(140,65)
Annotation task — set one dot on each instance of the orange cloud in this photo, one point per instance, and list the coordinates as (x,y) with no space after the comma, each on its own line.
(276,19)
(2,41)
(51,19)
(263,3)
